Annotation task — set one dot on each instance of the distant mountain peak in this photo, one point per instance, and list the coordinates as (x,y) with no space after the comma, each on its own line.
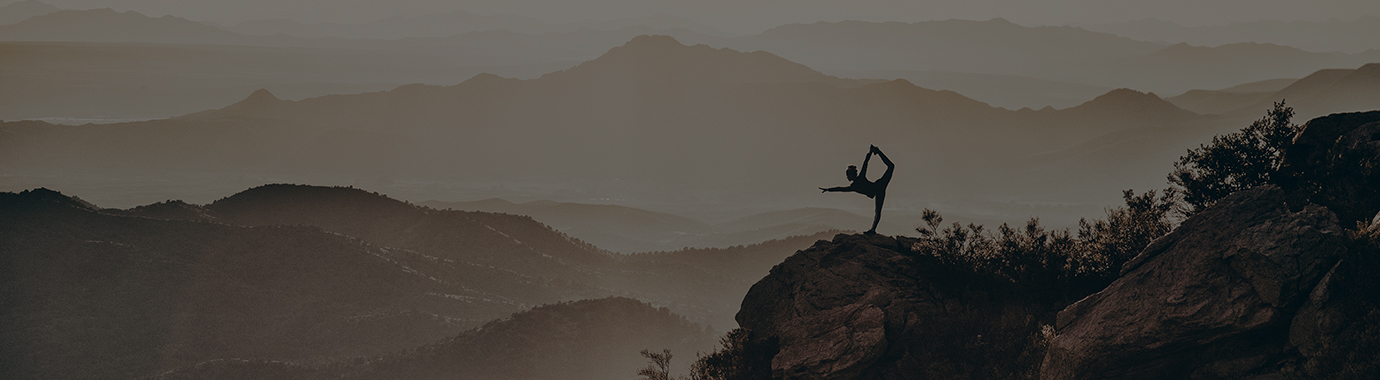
(647,40)
(1369,68)
(43,197)
(261,95)
(1126,95)
(1125,101)
(259,103)
(648,59)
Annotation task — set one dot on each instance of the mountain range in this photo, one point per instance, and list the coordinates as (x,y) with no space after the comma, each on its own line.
(1320,93)
(655,119)
(456,23)
(995,61)
(1319,36)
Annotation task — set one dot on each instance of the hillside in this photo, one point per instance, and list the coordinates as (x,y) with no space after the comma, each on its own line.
(349,273)
(23,10)
(588,339)
(145,294)
(1321,93)
(512,260)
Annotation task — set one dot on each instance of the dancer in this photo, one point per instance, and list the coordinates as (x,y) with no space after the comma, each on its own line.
(860,184)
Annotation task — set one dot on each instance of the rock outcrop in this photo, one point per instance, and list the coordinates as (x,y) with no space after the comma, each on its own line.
(1213,299)
(864,307)
(1264,284)
(1269,283)
(1335,162)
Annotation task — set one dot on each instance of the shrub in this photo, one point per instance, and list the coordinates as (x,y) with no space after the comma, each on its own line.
(1233,162)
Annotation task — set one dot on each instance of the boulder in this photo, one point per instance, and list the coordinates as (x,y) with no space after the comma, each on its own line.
(1211,300)
(866,307)
(1335,162)
(825,305)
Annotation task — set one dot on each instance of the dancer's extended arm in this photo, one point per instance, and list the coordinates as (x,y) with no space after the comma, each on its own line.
(840,188)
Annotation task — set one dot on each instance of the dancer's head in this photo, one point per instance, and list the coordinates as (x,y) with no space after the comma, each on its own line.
(852,172)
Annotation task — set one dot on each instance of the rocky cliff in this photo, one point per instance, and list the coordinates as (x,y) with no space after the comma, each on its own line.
(1269,283)
(866,307)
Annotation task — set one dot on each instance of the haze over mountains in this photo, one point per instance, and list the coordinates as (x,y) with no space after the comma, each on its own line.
(994,61)
(633,124)
(630,230)
(571,182)
(1319,36)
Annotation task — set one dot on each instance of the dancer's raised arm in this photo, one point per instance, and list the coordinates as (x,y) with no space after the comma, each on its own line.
(863,173)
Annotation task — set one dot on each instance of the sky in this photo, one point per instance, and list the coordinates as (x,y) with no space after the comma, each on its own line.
(751,16)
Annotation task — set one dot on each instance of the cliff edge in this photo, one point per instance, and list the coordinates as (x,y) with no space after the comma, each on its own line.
(1274,282)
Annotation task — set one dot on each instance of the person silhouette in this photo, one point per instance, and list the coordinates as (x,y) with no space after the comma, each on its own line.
(860,184)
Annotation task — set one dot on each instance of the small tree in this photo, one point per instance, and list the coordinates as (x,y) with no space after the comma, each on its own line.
(1107,244)
(1233,162)
(659,368)
(742,356)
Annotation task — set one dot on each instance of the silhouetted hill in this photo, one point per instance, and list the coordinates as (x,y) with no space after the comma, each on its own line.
(23,10)
(588,339)
(512,242)
(1124,102)
(1320,93)
(662,61)
(555,266)
(615,228)
(591,339)
(1231,98)
(304,274)
(1358,90)
(513,259)
(144,294)
(106,25)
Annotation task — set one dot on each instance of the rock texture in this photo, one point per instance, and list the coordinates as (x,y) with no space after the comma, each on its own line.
(1213,299)
(863,307)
